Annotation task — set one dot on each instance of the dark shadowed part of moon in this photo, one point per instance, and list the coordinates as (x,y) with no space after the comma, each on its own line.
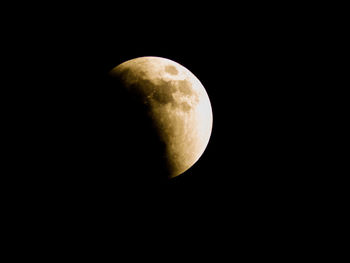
(171,70)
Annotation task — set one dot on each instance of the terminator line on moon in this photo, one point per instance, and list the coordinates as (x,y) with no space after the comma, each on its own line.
(177,104)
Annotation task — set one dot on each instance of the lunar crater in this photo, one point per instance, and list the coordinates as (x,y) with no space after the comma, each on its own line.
(177,93)
(163,92)
(185,87)
(171,70)
(185,106)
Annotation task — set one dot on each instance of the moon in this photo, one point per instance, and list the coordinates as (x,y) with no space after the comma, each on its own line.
(175,102)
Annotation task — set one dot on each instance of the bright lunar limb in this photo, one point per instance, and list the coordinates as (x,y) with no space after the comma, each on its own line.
(176,103)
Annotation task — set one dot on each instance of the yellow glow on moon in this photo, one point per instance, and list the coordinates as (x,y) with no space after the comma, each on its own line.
(178,104)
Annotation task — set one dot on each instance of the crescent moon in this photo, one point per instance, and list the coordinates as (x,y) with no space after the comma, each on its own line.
(176,103)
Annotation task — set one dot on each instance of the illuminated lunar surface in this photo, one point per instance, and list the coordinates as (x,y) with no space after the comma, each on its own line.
(176,103)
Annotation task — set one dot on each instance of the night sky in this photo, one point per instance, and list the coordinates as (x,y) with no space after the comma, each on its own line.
(248,61)
(253,63)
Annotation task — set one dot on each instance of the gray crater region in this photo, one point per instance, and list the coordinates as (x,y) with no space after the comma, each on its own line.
(158,89)
(163,93)
(171,70)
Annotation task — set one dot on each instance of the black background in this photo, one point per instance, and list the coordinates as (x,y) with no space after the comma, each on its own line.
(249,66)
(254,181)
